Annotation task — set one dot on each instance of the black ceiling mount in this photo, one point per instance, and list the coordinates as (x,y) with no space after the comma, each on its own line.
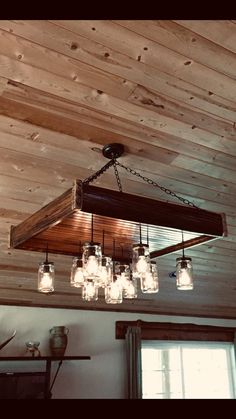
(113,151)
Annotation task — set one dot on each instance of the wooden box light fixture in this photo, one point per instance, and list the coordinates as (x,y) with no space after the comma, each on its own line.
(88,221)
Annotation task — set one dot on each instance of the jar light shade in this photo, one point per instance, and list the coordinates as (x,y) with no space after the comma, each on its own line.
(122,273)
(130,289)
(149,280)
(105,274)
(92,259)
(46,275)
(89,291)
(77,275)
(124,279)
(140,259)
(113,293)
(184,273)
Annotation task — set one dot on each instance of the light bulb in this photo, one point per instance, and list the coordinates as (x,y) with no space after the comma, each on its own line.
(78,278)
(46,277)
(142,264)
(130,289)
(46,280)
(113,293)
(89,291)
(184,279)
(92,265)
(149,280)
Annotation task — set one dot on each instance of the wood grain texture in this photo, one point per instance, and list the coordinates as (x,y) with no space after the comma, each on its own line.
(68,217)
(165,89)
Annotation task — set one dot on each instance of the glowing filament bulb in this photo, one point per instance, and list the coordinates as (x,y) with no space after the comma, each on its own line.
(92,265)
(78,278)
(142,264)
(113,293)
(46,280)
(46,277)
(89,291)
(184,278)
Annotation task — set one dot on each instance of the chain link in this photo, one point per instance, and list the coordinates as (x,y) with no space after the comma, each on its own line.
(117,175)
(152,182)
(98,173)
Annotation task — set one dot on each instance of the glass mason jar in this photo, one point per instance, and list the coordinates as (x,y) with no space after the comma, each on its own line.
(113,293)
(105,274)
(130,289)
(122,273)
(89,291)
(140,259)
(77,274)
(149,280)
(46,275)
(92,259)
(184,273)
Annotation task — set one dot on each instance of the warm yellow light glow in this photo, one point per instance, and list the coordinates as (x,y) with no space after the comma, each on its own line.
(90,291)
(46,282)
(184,280)
(92,265)
(142,265)
(78,278)
(130,290)
(113,293)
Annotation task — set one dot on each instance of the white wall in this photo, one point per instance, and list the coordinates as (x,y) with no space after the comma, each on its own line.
(90,333)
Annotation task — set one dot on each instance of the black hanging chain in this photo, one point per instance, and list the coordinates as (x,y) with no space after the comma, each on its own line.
(98,173)
(117,175)
(113,162)
(95,175)
(152,182)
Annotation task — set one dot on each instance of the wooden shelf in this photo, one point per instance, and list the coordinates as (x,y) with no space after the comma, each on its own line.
(49,359)
(43,358)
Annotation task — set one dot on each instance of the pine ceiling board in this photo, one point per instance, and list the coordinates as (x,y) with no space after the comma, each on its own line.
(148,141)
(48,151)
(221,32)
(194,138)
(214,253)
(23,168)
(61,65)
(184,41)
(172,108)
(35,146)
(56,38)
(102,102)
(164,59)
(39,192)
(74,301)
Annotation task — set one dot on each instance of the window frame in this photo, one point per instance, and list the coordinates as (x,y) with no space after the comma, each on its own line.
(166,332)
(230,354)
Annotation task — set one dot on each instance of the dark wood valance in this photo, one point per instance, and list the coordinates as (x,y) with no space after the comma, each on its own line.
(177,331)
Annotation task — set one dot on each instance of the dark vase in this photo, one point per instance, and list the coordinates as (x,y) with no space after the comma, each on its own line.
(58,340)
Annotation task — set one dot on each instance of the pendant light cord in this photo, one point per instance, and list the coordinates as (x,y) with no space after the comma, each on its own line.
(183,243)
(140,234)
(92,229)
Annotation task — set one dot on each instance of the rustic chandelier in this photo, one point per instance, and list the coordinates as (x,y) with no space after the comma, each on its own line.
(103,230)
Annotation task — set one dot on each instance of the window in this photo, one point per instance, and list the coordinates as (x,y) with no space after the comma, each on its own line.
(187,370)
(178,360)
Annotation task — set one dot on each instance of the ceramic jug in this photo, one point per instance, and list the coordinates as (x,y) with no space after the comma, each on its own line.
(58,340)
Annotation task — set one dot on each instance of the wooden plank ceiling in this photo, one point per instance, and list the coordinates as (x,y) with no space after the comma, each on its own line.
(165,90)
